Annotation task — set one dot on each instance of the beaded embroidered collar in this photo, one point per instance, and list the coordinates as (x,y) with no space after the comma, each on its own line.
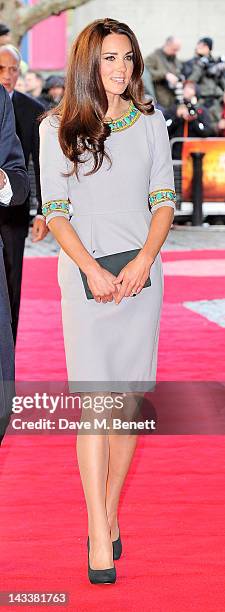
(125,120)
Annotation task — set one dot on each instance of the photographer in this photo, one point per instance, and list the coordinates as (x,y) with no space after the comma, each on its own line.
(165,71)
(188,118)
(209,74)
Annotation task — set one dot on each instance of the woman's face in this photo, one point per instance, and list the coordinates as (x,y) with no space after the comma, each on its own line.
(116,63)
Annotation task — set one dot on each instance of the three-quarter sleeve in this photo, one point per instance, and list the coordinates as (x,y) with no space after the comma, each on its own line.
(53,166)
(161,184)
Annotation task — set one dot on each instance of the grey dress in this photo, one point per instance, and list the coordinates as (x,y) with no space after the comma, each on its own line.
(108,343)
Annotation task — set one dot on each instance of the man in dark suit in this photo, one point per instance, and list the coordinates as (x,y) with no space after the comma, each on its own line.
(14,223)
(14,188)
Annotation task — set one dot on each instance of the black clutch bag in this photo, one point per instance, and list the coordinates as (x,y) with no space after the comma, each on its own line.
(113,263)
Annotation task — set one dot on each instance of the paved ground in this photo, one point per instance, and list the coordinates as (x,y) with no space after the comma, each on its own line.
(191,238)
(180,238)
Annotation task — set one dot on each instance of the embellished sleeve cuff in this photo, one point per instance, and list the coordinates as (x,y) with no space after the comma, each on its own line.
(56,208)
(162,197)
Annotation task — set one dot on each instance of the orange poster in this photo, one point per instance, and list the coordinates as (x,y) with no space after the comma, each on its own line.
(213,169)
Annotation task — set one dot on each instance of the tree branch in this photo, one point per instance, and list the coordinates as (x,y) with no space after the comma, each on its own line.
(30,16)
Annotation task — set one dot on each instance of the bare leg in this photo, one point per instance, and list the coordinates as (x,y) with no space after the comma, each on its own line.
(121,453)
(103,461)
(93,461)
(121,450)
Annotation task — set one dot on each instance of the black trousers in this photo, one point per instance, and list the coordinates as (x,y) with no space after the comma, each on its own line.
(7,366)
(13,238)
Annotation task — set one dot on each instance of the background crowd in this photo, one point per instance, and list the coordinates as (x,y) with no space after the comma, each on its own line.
(191,91)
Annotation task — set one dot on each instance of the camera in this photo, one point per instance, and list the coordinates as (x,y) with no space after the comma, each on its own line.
(191,106)
(213,67)
(179,92)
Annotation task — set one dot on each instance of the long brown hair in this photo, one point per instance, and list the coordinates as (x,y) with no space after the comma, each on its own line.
(84,105)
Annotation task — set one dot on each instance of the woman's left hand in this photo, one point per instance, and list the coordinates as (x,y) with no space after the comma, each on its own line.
(133,276)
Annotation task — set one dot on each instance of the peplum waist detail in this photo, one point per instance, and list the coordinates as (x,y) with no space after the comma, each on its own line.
(120,211)
(112,232)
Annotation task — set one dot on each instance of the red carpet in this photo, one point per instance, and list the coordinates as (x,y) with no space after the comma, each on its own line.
(172,508)
(187,339)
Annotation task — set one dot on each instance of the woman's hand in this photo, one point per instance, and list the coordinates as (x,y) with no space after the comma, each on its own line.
(133,276)
(101,284)
(39,229)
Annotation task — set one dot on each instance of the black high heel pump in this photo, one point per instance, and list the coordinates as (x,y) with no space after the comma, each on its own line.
(100,576)
(117,548)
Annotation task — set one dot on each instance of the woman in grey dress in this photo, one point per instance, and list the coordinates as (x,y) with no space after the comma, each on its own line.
(105,151)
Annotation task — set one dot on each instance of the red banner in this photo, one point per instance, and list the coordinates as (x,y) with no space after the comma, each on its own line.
(47,44)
